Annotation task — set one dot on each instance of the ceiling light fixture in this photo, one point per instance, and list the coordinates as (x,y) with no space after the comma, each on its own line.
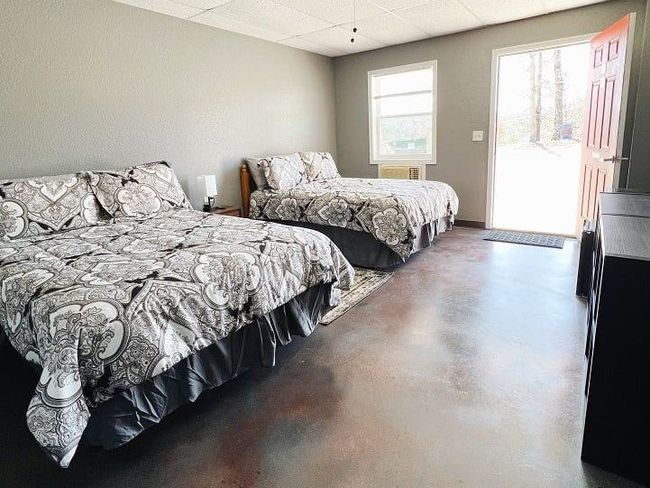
(354,20)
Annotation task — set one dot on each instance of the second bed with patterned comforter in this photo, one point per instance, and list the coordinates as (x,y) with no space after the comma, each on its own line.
(392,211)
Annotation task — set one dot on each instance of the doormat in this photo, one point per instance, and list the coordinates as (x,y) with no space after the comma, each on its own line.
(366,282)
(528,239)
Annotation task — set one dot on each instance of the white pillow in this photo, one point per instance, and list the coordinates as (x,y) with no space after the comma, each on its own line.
(284,172)
(319,166)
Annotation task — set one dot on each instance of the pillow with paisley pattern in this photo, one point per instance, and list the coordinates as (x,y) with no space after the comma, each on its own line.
(284,172)
(35,206)
(139,191)
(255,169)
(319,166)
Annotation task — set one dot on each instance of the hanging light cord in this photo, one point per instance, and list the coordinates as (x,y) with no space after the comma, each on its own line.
(354,19)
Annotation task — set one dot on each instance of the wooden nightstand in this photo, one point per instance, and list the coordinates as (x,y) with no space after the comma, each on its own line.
(232,211)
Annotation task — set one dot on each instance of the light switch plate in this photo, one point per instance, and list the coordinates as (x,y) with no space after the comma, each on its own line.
(477,136)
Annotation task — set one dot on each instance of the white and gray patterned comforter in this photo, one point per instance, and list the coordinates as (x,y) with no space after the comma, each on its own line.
(106,307)
(391,210)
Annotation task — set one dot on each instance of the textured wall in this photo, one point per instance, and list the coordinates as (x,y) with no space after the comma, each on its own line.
(464,70)
(95,84)
(639,177)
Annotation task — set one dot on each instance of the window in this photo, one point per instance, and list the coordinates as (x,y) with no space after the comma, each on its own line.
(402,103)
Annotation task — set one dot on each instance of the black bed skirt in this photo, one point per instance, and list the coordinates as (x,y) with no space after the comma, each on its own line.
(130,412)
(363,250)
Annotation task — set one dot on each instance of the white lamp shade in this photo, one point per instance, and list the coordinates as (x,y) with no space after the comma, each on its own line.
(208,185)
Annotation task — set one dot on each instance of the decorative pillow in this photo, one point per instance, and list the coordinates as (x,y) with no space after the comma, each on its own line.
(254,166)
(319,166)
(139,191)
(284,172)
(34,206)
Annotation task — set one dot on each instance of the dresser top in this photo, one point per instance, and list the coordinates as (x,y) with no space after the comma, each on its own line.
(625,236)
(630,204)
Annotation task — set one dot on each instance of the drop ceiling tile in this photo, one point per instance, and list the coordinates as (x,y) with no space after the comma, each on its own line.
(388,29)
(333,11)
(324,26)
(556,5)
(202,4)
(338,38)
(209,18)
(313,47)
(166,7)
(497,11)
(440,17)
(269,15)
(399,4)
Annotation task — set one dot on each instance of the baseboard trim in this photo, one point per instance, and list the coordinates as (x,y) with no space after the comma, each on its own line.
(469,223)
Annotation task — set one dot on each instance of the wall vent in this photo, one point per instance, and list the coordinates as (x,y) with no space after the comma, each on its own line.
(402,172)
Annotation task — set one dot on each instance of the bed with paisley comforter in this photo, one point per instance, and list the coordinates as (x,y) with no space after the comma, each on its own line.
(110,301)
(376,223)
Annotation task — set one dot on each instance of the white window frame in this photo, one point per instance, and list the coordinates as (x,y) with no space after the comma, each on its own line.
(403,159)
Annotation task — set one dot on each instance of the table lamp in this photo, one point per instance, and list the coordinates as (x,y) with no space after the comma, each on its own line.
(208,186)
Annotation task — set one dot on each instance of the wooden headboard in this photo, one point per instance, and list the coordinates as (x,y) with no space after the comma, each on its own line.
(247,187)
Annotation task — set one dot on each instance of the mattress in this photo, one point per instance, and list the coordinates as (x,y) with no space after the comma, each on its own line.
(103,308)
(392,211)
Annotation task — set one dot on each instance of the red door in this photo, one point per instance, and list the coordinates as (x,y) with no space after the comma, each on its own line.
(604,98)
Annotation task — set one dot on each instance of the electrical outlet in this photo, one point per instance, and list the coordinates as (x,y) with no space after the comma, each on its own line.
(477,136)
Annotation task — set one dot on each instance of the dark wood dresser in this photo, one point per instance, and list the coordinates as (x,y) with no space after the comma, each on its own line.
(617,413)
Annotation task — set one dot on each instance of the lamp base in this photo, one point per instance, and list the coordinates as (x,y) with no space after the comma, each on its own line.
(210,205)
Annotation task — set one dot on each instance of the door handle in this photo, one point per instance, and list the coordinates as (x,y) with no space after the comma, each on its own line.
(615,159)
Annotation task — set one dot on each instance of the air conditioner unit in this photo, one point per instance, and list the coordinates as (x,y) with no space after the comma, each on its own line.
(402,171)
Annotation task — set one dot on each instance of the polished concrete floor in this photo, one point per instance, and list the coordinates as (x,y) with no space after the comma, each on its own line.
(465,370)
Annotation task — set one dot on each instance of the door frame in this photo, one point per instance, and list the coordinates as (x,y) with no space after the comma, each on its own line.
(494,84)
(621,149)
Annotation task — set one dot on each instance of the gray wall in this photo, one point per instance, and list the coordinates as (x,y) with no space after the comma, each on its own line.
(640,151)
(91,84)
(464,65)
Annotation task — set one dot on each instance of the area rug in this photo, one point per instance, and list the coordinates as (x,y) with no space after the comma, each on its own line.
(528,239)
(366,282)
